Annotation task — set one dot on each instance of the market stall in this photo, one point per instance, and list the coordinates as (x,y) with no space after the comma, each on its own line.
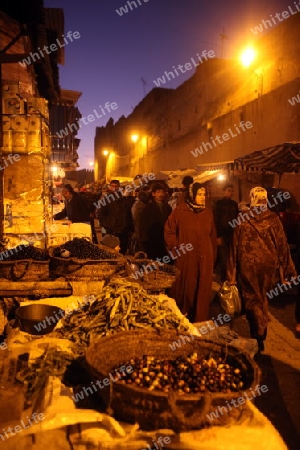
(64,372)
(283,162)
(58,382)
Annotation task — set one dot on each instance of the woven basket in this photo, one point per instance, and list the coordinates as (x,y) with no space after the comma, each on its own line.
(75,269)
(154,410)
(24,270)
(154,277)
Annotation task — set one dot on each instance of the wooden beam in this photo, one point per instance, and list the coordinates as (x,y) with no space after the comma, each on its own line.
(28,288)
(12,58)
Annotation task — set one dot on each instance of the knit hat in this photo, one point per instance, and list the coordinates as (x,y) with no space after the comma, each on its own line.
(110,241)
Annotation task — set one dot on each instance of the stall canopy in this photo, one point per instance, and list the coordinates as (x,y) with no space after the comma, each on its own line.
(175,177)
(278,159)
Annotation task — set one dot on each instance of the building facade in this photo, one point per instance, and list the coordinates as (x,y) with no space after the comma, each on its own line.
(222,112)
(29,118)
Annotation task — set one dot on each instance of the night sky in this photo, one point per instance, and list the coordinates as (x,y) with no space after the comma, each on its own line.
(114,53)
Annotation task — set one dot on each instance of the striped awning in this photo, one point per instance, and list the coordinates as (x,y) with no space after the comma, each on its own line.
(278,159)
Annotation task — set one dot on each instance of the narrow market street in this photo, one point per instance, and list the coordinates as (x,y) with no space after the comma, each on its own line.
(280,366)
(149,204)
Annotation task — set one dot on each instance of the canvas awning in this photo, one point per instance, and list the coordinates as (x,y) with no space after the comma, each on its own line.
(175,177)
(277,159)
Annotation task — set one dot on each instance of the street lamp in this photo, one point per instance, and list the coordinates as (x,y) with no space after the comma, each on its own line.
(134,137)
(248,56)
(54,169)
(105,153)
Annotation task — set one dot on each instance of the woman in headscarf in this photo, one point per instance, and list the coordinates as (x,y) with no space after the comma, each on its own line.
(259,258)
(192,223)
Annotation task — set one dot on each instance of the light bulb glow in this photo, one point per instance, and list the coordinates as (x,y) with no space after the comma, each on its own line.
(248,56)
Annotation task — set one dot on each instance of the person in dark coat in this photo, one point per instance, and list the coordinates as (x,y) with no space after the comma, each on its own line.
(225,211)
(192,223)
(139,205)
(259,258)
(187,181)
(114,214)
(152,221)
(76,208)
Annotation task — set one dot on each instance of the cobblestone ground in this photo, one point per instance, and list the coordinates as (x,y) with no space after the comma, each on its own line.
(280,366)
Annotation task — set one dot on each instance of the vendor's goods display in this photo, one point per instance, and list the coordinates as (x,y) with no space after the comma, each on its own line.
(27,252)
(82,248)
(120,306)
(178,388)
(185,374)
(25,263)
(81,260)
(152,275)
(38,319)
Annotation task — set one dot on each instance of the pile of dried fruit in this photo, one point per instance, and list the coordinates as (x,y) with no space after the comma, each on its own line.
(185,375)
(121,306)
(81,248)
(26,252)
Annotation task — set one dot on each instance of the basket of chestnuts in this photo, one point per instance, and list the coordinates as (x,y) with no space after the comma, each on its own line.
(151,381)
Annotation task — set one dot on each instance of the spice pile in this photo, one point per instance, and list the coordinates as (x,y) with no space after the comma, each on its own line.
(81,248)
(185,375)
(121,306)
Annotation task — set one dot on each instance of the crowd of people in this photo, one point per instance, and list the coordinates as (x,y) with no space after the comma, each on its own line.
(252,253)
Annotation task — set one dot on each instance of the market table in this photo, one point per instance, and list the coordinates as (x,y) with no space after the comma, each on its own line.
(66,427)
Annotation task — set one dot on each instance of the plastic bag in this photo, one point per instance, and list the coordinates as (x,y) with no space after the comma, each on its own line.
(230,299)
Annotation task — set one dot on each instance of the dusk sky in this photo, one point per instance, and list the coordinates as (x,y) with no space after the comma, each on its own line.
(115,52)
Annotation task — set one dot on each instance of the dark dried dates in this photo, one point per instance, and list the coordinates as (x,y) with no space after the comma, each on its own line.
(81,248)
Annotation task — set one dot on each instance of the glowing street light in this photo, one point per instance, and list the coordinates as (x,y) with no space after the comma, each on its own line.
(91,163)
(248,56)
(105,152)
(134,137)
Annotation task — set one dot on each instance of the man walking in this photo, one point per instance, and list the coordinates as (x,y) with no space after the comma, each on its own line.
(115,215)
(225,211)
(152,221)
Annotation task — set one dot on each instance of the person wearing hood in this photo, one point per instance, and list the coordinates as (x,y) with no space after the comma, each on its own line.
(192,223)
(259,258)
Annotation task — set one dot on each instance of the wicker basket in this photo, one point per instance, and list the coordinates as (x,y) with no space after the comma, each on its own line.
(154,277)
(75,269)
(24,270)
(161,410)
